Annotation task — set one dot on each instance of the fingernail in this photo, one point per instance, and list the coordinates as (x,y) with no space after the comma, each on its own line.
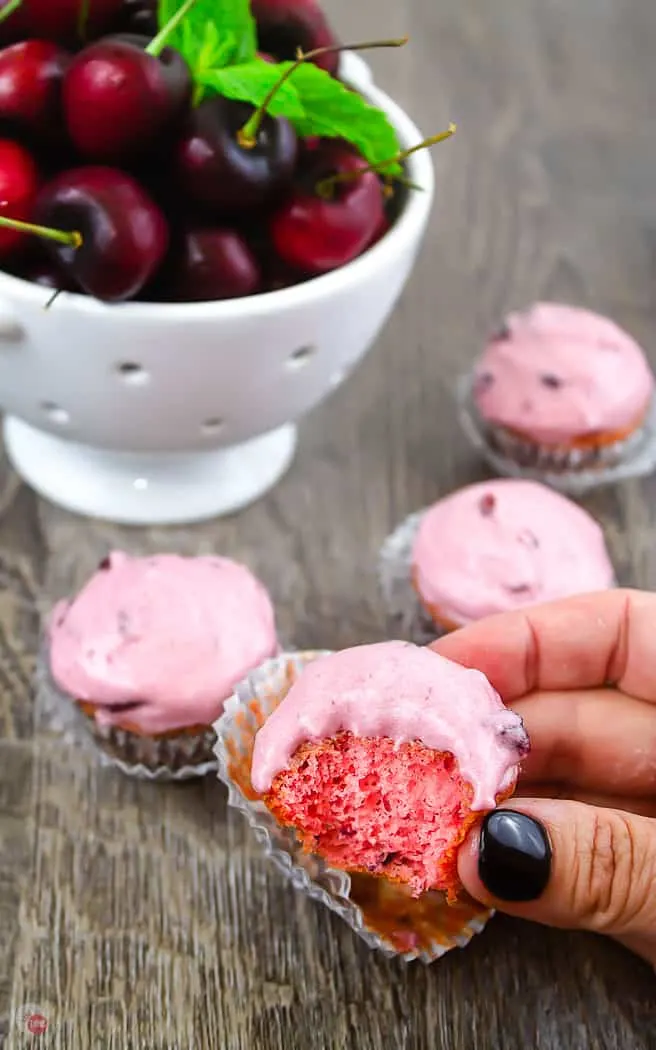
(514,856)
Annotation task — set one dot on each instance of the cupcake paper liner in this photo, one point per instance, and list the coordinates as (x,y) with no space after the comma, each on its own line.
(381,913)
(163,759)
(574,473)
(409,619)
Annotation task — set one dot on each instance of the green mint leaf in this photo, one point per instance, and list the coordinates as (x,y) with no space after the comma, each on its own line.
(331,110)
(252,82)
(214,33)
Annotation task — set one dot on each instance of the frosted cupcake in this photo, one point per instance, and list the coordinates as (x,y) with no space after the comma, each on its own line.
(372,764)
(562,389)
(502,545)
(150,649)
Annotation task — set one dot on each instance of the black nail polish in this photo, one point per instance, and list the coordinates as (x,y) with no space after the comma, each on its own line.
(514,859)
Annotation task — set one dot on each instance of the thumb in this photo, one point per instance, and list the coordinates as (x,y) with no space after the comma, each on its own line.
(567,864)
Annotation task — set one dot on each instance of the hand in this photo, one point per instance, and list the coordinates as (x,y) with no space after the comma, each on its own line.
(576,847)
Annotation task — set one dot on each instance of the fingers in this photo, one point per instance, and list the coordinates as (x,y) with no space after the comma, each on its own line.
(579,643)
(567,864)
(598,740)
(643,806)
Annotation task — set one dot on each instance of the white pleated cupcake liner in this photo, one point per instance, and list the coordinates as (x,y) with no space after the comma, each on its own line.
(177,758)
(381,913)
(569,473)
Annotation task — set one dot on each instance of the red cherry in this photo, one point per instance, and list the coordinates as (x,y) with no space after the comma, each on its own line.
(384,228)
(118,100)
(124,234)
(58,20)
(285,25)
(31,75)
(214,264)
(18,188)
(316,234)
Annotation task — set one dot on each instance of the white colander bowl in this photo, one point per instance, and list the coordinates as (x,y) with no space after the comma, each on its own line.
(165,414)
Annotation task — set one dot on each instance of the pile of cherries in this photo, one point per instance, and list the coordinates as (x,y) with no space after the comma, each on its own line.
(149,196)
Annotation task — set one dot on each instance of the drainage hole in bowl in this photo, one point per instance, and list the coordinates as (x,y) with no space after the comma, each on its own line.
(212,427)
(132,373)
(300,357)
(55,413)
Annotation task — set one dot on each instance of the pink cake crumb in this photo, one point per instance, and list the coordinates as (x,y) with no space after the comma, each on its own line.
(370,805)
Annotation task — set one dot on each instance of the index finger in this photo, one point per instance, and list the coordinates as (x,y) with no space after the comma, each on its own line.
(579,643)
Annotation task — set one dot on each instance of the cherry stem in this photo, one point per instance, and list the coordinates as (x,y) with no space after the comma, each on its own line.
(9,9)
(71,238)
(247,136)
(53,298)
(83,19)
(325,186)
(158,43)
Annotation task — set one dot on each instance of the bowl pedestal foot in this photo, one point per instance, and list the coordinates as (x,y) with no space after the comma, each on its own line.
(148,488)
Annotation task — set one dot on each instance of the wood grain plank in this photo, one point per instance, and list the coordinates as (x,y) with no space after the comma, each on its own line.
(145,917)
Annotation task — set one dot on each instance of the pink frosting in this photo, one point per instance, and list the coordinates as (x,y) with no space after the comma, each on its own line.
(555,373)
(401,691)
(160,642)
(502,545)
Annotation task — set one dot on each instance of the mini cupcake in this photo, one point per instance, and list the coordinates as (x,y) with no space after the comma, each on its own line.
(363,771)
(150,649)
(381,757)
(502,545)
(562,389)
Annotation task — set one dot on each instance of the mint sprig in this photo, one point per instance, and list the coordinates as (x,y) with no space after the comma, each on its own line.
(314,103)
(252,82)
(218,40)
(213,34)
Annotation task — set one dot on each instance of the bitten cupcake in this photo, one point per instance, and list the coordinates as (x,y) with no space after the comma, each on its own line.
(502,545)
(381,757)
(562,389)
(360,772)
(150,649)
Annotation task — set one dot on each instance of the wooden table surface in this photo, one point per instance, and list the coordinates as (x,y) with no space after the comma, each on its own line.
(141,916)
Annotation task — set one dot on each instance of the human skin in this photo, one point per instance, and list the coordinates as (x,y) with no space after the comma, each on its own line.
(582,674)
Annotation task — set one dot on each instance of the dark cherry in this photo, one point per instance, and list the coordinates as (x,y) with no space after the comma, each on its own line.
(124,233)
(119,100)
(315,233)
(19,182)
(31,76)
(45,272)
(213,264)
(218,173)
(58,20)
(138,16)
(285,25)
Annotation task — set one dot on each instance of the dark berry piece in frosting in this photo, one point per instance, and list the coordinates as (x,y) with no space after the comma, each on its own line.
(501,334)
(105,564)
(483,381)
(486,504)
(551,381)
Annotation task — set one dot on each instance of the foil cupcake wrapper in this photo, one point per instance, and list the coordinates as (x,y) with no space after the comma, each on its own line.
(382,914)
(408,617)
(572,473)
(160,759)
